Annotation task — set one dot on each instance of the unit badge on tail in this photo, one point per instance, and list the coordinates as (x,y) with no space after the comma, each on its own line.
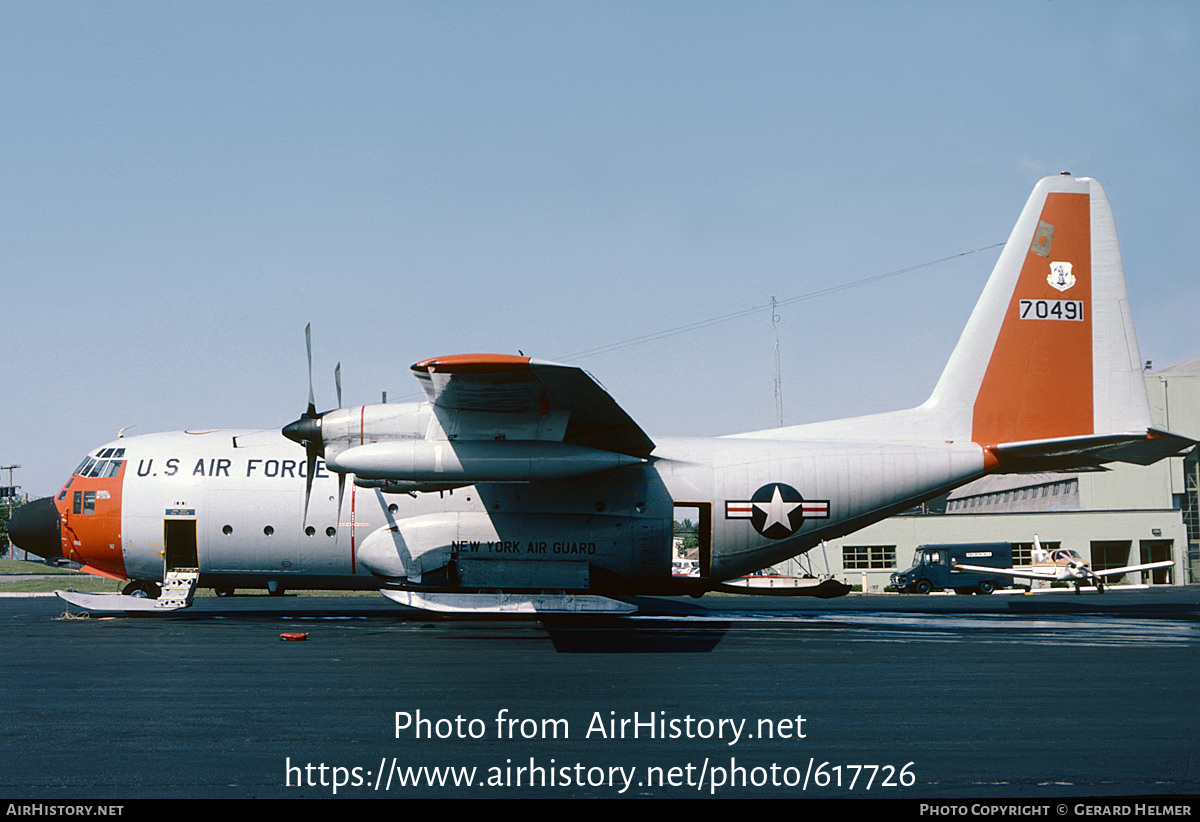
(777,510)
(1060,276)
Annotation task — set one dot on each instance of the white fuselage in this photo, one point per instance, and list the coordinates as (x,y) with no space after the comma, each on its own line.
(244,491)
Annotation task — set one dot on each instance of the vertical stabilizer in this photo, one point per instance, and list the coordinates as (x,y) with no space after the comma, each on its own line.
(1049,351)
(1047,374)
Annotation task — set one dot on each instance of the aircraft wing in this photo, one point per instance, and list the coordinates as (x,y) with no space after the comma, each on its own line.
(504,384)
(1007,572)
(1130,569)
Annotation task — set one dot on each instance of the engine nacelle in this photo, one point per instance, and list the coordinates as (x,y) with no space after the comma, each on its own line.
(474,461)
(347,428)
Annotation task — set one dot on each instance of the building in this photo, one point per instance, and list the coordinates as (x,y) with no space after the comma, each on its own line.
(1123,516)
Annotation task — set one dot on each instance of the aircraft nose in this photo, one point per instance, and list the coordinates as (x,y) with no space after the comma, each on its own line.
(35,528)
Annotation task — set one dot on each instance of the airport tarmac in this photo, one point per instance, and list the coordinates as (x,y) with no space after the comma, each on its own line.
(906,697)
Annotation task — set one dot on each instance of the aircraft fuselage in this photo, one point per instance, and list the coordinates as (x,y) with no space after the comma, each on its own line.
(231,503)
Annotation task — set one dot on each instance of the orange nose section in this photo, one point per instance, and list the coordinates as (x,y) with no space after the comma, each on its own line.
(91,530)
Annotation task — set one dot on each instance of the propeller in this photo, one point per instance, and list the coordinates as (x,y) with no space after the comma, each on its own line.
(306,431)
(337,381)
(312,406)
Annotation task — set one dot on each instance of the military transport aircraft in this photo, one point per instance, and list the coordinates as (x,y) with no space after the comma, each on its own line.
(1065,565)
(521,485)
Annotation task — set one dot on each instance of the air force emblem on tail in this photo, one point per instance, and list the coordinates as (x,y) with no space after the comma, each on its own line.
(777,510)
(1060,276)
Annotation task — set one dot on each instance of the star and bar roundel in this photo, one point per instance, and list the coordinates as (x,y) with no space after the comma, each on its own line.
(777,510)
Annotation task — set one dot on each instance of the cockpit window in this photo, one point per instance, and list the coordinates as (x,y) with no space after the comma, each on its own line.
(99,466)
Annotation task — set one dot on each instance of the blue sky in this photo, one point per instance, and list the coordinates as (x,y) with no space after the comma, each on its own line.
(184,185)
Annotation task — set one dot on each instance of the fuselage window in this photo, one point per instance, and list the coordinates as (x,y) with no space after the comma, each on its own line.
(89,502)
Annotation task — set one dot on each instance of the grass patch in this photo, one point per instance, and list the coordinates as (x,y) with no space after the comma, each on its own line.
(84,583)
(20,566)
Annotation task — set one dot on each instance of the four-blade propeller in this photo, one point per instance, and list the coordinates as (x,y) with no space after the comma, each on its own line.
(307,430)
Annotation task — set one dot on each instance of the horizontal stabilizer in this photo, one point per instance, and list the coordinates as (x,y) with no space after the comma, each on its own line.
(1073,453)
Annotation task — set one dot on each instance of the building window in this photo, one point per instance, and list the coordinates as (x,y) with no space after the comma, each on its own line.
(868,557)
(1023,551)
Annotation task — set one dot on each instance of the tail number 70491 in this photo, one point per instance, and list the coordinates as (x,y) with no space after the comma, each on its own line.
(1051,309)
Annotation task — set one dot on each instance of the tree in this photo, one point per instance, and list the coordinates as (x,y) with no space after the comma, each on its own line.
(9,502)
(5,513)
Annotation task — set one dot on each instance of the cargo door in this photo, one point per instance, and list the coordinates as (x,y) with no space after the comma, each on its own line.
(692,539)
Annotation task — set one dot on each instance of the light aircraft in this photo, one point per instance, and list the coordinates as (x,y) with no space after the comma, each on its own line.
(521,485)
(1065,565)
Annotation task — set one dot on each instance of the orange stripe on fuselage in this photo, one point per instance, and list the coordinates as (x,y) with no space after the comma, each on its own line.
(1038,383)
(94,540)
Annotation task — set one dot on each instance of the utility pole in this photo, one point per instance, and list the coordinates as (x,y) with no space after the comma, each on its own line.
(778,376)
